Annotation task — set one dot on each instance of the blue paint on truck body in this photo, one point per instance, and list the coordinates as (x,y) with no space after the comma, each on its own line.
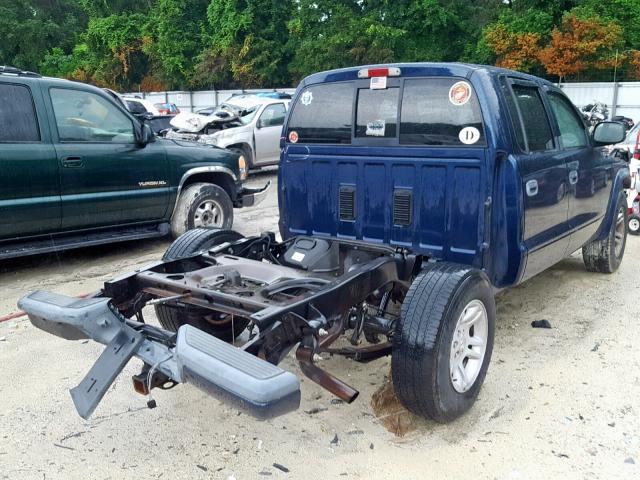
(520,198)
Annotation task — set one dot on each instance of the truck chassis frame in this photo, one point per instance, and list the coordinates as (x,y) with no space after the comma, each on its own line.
(252,280)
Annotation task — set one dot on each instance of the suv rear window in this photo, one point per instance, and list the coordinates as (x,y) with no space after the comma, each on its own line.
(323,114)
(18,121)
(430,116)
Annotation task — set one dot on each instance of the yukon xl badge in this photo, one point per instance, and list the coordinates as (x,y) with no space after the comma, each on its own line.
(152,183)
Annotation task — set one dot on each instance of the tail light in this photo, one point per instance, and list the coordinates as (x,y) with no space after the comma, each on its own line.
(636,152)
(379,72)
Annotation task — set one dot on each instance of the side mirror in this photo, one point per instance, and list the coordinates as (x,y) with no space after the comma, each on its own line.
(261,123)
(608,133)
(146,135)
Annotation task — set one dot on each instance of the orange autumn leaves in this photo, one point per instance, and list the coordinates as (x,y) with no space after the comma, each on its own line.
(577,45)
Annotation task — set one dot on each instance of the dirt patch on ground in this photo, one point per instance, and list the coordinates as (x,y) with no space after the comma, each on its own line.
(556,403)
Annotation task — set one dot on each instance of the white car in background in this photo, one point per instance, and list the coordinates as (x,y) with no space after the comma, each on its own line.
(247,124)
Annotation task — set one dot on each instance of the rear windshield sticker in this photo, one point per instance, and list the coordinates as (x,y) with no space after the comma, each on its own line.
(460,93)
(307,98)
(375,128)
(469,135)
(293,136)
(378,83)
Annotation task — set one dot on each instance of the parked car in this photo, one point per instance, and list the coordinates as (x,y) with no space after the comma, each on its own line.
(407,197)
(167,108)
(246,124)
(78,169)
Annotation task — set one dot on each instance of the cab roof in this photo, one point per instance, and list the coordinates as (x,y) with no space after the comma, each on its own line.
(453,69)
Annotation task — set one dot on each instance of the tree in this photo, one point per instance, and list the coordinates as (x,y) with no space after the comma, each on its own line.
(31,28)
(176,40)
(580,44)
(333,33)
(518,51)
(246,43)
(513,41)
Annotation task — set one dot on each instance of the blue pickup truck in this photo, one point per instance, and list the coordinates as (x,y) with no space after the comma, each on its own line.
(409,194)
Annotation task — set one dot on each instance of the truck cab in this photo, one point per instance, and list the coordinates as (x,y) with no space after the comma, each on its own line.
(475,165)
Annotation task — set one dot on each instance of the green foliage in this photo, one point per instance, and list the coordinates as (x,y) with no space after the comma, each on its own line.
(246,43)
(30,28)
(249,43)
(177,30)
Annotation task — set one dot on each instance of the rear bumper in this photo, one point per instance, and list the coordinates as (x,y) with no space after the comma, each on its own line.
(220,369)
(249,197)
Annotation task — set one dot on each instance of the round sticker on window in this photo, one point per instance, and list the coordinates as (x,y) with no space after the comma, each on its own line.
(460,93)
(293,136)
(469,135)
(307,98)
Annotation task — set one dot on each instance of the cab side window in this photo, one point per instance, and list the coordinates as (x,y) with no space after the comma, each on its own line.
(273,115)
(18,121)
(534,118)
(86,117)
(572,131)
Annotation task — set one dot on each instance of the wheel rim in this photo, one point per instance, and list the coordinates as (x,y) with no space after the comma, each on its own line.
(208,214)
(619,232)
(468,346)
(634,224)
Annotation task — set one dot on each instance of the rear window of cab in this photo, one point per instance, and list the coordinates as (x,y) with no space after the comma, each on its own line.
(435,111)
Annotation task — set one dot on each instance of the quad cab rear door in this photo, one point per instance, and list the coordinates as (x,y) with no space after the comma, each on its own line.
(542,166)
(394,160)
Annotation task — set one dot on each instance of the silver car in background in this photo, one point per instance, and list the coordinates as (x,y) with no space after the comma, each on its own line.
(248,124)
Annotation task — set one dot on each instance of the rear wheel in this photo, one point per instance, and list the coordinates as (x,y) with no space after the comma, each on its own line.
(443,342)
(171,317)
(605,256)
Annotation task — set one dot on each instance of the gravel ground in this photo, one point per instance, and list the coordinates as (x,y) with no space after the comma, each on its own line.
(557,403)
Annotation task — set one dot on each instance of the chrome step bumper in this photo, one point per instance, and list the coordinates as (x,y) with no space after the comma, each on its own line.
(218,368)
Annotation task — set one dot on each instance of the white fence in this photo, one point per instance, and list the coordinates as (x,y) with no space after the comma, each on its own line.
(623,98)
(194,101)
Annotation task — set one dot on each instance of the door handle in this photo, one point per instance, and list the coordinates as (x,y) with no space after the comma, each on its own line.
(72,162)
(532,188)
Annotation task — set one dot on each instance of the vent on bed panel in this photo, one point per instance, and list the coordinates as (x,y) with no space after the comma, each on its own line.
(402,207)
(347,202)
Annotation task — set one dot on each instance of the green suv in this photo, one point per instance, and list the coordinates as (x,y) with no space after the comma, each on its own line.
(78,169)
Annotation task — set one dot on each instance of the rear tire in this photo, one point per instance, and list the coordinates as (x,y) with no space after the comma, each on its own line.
(171,318)
(443,342)
(605,256)
(634,224)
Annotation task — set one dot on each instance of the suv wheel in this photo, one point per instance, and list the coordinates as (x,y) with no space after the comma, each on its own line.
(171,318)
(202,205)
(443,342)
(605,256)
